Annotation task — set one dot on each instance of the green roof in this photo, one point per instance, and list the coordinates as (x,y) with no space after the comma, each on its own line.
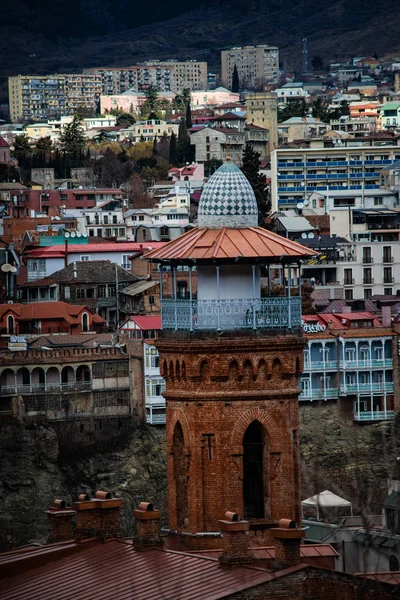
(318,532)
(391,106)
(393,501)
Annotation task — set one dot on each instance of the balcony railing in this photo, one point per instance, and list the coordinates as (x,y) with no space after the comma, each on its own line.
(226,315)
(37,388)
(320,365)
(366,388)
(367,364)
(319,394)
(156,419)
(376,415)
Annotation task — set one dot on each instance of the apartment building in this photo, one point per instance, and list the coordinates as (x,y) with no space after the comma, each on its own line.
(148,131)
(390,115)
(166,76)
(352,357)
(256,65)
(43,97)
(354,270)
(297,172)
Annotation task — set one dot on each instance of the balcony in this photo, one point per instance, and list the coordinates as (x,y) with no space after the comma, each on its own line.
(159,419)
(367,260)
(37,388)
(387,259)
(366,388)
(367,364)
(228,315)
(376,415)
(368,281)
(349,281)
(321,365)
(319,394)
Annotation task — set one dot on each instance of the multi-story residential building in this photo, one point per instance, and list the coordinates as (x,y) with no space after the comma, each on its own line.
(390,115)
(146,329)
(356,126)
(222,142)
(300,128)
(291,92)
(352,357)
(255,65)
(96,283)
(87,381)
(166,76)
(42,97)
(44,261)
(351,165)
(358,269)
(148,131)
(129,101)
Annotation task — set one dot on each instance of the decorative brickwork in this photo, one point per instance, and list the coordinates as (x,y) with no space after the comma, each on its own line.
(232,429)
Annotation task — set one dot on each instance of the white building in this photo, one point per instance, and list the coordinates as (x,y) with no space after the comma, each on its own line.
(146,329)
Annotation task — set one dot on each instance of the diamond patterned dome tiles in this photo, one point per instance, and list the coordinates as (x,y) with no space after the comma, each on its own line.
(228,200)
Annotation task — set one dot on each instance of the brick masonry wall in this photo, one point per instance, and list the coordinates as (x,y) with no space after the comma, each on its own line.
(215,388)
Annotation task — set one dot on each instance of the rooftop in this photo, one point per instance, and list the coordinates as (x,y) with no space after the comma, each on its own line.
(209,244)
(86,271)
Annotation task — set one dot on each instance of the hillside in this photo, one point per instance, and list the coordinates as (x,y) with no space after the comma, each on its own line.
(41,36)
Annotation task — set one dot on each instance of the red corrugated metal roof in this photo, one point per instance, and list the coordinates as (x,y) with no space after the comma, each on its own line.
(268,552)
(206,244)
(59,249)
(392,577)
(147,321)
(98,571)
(47,310)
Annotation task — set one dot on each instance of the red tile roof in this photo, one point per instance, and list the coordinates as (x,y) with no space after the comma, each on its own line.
(59,249)
(385,576)
(147,321)
(98,570)
(47,311)
(230,116)
(206,244)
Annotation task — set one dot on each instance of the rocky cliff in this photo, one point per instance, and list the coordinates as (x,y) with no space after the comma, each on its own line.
(33,472)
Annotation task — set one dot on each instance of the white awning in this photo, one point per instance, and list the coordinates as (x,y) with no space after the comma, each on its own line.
(327,499)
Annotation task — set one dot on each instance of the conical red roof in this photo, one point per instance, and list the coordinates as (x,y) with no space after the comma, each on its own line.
(210,244)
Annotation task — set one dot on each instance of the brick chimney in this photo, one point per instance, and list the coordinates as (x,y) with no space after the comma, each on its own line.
(148,526)
(98,516)
(234,541)
(60,518)
(287,543)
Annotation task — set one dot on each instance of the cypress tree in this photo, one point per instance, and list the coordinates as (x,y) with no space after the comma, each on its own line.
(251,169)
(172,149)
(184,151)
(188,116)
(235,80)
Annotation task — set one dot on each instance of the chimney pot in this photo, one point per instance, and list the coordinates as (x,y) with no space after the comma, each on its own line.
(234,541)
(287,543)
(103,495)
(84,497)
(148,526)
(59,504)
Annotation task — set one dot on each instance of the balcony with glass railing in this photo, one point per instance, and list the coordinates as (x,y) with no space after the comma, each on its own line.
(319,394)
(377,388)
(377,415)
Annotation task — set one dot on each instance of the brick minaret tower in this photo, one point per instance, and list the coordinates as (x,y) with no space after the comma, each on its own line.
(231,358)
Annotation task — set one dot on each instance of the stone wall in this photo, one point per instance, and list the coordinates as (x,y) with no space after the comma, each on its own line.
(33,474)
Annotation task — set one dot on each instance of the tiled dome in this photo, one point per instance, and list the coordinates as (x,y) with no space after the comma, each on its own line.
(228,200)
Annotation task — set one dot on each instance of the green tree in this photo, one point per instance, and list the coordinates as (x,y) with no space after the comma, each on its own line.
(320,110)
(21,144)
(173,156)
(44,144)
(294,108)
(184,149)
(125,119)
(235,80)
(188,116)
(317,63)
(72,139)
(251,169)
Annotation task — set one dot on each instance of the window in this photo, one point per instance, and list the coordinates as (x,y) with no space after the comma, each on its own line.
(102,291)
(80,292)
(10,325)
(121,232)
(67,292)
(388,291)
(387,275)
(85,322)
(351,379)
(126,263)
(387,254)
(348,276)
(367,293)
(378,201)
(105,219)
(85,257)
(141,218)
(90,293)
(115,219)
(367,258)
(111,291)
(91,232)
(348,294)
(367,276)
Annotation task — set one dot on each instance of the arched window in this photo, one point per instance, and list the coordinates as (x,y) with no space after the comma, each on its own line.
(85,322)
(255,482)
(10,325)
(393,563)
(180,477)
